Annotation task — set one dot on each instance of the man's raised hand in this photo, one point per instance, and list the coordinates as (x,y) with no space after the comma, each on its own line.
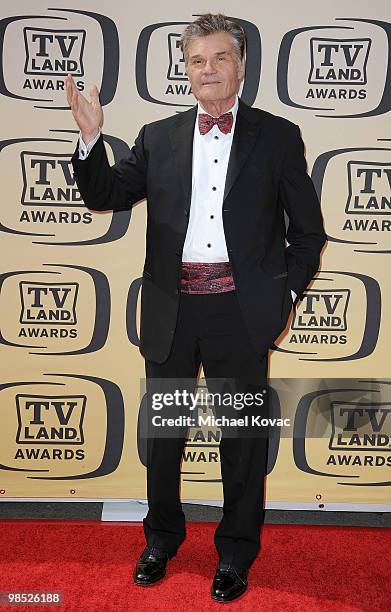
(88,115)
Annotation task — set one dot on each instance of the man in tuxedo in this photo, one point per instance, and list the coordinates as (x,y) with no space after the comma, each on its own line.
(219,278)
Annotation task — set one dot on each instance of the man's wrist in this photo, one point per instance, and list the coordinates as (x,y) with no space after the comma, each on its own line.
(85,149)
(89,137)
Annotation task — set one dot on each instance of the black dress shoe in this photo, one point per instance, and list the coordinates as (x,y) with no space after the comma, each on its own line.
(228,584)
(151,566)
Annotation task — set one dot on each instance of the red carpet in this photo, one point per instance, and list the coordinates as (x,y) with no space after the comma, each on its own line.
(343,569)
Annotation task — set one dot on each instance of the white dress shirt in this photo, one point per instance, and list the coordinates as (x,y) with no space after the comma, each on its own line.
(85,149)
(205,238)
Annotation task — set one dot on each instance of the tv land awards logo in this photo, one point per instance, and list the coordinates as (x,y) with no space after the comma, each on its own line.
(48,179)
(364,427)
(53,53)
(176,67)
(45,48)
(44,200)
(343,431)
(49,303)
(338,61)
(323,310)
(369,189)
(50,419)
(49,311)
(355,183)
(336,70)
(338,319)
(161,76)
(67,427)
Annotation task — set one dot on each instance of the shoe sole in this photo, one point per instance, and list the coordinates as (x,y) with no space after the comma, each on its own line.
(148,584)
(229,600)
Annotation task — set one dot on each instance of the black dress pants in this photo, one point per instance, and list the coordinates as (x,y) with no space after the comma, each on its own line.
(210,330)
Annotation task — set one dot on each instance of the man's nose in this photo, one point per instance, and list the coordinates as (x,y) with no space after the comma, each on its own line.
(209,67)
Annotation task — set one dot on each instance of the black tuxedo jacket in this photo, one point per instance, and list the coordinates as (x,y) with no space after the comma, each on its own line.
(266,176)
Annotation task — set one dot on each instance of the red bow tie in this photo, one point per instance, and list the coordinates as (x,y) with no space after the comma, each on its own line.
(206,122)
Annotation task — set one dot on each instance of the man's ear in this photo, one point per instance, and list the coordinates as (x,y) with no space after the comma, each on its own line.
(242,69)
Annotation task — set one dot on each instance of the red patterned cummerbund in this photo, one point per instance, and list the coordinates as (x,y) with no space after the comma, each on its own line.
(206,277)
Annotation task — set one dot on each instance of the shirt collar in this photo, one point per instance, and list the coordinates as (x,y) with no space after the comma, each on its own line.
(233,110)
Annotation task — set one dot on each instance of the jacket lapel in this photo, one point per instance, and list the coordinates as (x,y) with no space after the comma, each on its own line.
(182,144)
(246,133)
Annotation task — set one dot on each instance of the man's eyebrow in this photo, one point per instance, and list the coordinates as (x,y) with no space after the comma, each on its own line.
(200,55)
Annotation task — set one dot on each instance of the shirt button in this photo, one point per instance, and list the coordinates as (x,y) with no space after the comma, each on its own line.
(209,245)
(214,188)
(212,216)
(215,161)
(216,137)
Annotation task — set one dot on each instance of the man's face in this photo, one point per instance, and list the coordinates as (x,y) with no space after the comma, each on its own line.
(212,68)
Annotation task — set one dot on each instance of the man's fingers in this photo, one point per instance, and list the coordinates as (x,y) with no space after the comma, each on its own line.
(84,112)
(94,94)
(68,90)
(71,90)
(69,82)
(74,95)
(69,99)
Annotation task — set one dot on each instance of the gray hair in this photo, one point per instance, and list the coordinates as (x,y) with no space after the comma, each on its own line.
(212,24)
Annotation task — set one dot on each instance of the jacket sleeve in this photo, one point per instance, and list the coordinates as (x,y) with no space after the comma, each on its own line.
(117,187)
(305,234)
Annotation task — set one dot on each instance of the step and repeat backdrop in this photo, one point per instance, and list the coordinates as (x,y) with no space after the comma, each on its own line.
(71,399)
